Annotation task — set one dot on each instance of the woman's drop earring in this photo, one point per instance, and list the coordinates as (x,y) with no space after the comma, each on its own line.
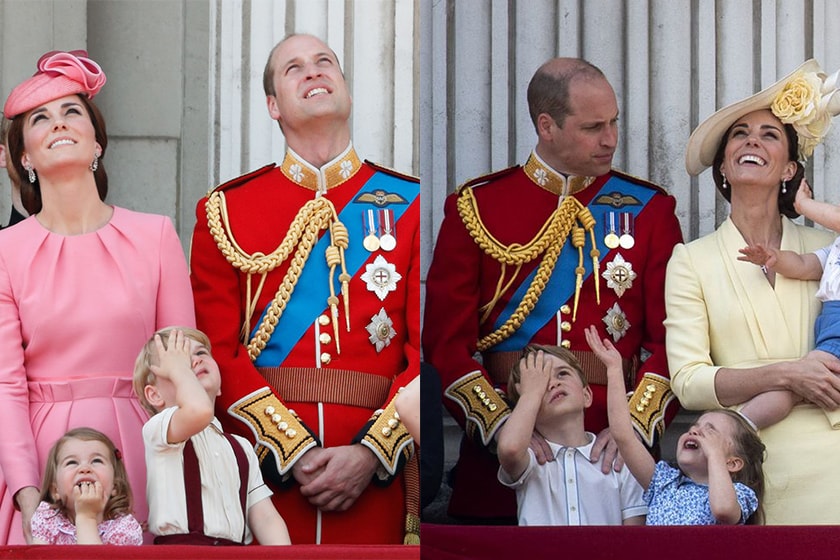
(94,165)
(784,187)
(723,185)
(32,177)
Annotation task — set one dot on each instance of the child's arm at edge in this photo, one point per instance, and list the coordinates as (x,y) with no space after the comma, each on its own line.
(636,456)
(267,525)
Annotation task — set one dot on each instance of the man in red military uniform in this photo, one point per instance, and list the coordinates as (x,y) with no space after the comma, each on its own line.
(315,321)
(535,254)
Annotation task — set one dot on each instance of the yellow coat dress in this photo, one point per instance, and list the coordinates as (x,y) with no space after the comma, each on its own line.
(722,312)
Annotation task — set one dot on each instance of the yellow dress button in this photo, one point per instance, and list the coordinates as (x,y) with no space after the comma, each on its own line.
(565,326)
(269,410)
(396,415)
(565,344)
(393,423)
(275,418)
(482,395)
(324,338)
(565,309)
(326,358)
(291,433)
(282,426)
(476,389)
(386,431)
(492,407)
(324,320)
(651,387)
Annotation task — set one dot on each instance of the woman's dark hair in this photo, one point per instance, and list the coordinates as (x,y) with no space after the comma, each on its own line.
(785,199)
(30,193)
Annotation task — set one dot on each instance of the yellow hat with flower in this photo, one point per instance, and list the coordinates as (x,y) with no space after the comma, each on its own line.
(806,98)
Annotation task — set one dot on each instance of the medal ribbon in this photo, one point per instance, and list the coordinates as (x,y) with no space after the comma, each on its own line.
(561,284)
(312,290)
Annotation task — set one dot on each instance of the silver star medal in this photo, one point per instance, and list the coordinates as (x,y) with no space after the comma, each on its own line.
(381,277)
(616,321)
(619,275)
(381,330)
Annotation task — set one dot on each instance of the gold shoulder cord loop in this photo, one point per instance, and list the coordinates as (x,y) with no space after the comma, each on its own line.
(548,242)
(316,215)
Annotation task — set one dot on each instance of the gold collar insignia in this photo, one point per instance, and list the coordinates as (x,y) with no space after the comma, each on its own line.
(545,177)
(330,175)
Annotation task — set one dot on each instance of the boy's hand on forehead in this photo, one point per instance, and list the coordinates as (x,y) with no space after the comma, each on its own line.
(534,372)
(174,356)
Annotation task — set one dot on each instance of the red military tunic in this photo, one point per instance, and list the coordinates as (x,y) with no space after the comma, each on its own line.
(300,391)
(483,223)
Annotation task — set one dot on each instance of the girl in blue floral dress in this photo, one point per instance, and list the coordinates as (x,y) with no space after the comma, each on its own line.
(720,479)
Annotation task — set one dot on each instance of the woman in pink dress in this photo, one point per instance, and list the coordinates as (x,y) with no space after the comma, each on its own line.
(83,285)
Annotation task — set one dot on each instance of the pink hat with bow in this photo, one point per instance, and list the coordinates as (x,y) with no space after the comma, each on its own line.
(59,74)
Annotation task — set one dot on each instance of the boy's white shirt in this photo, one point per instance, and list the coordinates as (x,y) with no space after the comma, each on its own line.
(165,480)
(573,491)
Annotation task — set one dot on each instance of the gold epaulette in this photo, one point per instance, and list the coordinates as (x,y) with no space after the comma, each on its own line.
(275,427)
(485,409)
(393,172)
(484,179)
(388,438)
(647,406)
(242,179)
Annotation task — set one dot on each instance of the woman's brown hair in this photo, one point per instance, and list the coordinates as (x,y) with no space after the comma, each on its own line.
(30,193)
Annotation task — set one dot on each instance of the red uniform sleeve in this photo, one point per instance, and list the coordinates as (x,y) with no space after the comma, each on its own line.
(451,329)
(245,393)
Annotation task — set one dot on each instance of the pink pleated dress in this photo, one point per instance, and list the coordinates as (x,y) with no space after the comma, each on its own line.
(74,313)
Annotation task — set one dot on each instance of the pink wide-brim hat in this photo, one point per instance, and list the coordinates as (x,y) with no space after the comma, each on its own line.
(59,74)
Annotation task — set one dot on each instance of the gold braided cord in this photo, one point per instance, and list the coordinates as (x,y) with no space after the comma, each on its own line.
(316,215)
(588,223)
(549,242)
(514,253)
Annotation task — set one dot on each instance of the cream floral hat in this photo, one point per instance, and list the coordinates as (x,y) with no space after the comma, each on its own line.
(806,98)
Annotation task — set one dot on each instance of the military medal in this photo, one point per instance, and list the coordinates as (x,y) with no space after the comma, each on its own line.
(381,277)
(611,238)
(381,330)
(619,275)
(627,240)
(388,242)
(371,240)
(616,322)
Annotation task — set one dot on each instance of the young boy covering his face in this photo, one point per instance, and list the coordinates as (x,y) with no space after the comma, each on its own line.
(550,395)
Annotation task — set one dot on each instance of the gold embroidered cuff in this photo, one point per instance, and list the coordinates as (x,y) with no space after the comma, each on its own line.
(274,426)
(388,438)
(485,409)
(648,404)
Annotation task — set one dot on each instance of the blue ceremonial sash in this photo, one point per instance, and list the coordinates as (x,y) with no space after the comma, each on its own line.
(312,289)
(561,284)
